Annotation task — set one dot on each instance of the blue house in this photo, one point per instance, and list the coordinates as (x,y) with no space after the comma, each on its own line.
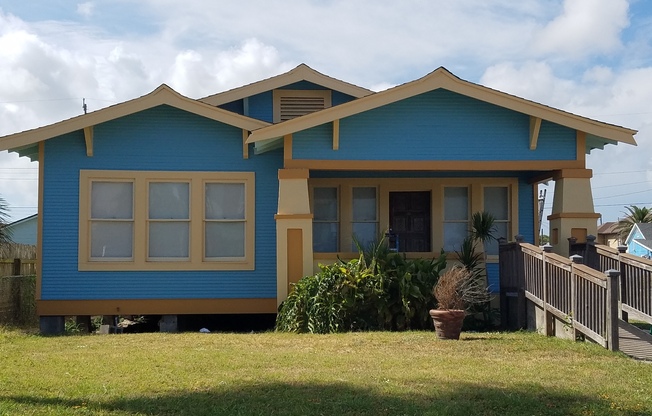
(167,205)
(639,240)
(23,231)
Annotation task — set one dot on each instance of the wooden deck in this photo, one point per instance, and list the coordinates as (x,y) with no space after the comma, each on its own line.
(634,341)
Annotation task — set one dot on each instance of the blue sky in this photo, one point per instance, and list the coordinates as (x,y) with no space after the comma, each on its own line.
(589,57)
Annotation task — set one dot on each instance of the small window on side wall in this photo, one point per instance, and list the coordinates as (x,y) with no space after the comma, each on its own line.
(456,217)
(496,202)
(364,224)
(326,223)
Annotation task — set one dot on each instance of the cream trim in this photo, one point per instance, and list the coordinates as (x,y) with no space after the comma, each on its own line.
(39,221)
(301,73)
(293,173)
(535,127)
(442,78)
(88,138)
(140,262)
(245,146)
(163,95)
(336,134)
(429,165)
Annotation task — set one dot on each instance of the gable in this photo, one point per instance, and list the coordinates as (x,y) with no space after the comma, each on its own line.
(598,133)
(24,142)
(302,73)
(436,125)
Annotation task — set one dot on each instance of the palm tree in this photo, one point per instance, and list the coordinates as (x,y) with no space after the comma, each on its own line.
(5,235)
(636,215)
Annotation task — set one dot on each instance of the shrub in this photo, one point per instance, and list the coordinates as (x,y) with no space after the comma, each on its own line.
(380,290)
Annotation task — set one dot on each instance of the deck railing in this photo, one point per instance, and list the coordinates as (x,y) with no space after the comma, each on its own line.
(635,276)
(585,300)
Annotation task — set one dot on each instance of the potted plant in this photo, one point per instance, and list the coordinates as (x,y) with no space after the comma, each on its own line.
(456,291)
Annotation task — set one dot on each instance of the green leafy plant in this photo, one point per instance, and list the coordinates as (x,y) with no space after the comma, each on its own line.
(380,290)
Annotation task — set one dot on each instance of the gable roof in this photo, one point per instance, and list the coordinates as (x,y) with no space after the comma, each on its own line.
(610,227)
(442,78)
(22,220)
(163,95)
(301,73)
(645,230)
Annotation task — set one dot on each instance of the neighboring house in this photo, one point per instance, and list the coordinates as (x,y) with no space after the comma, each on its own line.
(170,205)
(23,231)
(639,240)
(608,234)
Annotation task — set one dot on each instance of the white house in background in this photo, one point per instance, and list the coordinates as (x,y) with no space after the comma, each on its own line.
(23,231)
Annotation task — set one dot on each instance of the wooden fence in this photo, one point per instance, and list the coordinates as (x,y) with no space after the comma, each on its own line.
(17,259)
(17,284)
(585,299)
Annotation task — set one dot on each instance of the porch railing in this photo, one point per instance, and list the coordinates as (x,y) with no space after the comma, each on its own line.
(635,276)
(585,300)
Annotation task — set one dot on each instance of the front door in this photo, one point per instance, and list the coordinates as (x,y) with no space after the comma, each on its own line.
(409,219)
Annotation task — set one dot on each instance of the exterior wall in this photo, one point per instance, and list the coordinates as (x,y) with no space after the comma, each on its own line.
(24,231)
(438,125)
(159,139)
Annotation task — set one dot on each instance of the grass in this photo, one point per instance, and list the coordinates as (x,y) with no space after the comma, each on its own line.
(378,373)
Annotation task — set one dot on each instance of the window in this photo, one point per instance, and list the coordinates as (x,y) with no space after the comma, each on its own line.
(224,220)
(112,220)
(456,217)
(365,216)
(326,222)
(169,220)
(289,104)
(496,202)
(166,220)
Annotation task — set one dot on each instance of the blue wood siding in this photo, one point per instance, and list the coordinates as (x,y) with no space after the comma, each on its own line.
(438,125)
(261,106)
(163,139)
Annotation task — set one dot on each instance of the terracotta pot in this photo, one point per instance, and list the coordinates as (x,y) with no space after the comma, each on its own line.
(448,323)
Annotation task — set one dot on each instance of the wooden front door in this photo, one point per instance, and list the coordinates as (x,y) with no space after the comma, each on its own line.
(409,219)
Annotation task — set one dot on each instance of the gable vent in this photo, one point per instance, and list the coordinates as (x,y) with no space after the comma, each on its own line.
(289,104)
(292,106)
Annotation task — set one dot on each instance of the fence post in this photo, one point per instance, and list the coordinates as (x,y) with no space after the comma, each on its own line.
(576,259)
(612,309)
(15,270)
(548,318)
(623,283)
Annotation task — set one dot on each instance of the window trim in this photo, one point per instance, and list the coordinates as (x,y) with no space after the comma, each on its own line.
(140,261)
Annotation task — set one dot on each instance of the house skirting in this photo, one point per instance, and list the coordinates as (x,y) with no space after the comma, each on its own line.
(154,306)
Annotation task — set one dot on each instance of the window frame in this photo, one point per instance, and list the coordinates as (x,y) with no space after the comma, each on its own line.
(140,260)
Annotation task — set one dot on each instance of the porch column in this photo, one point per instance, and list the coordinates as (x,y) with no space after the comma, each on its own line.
(293,230)
(573,214)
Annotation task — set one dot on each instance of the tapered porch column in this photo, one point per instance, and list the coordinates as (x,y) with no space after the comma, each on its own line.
(573,214)
(293,230)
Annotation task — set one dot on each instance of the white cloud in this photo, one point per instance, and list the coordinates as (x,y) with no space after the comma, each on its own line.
(85,9)
(585,27)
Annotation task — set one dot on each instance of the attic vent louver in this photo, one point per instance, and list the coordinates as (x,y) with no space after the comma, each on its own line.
(289,104)
(294,106)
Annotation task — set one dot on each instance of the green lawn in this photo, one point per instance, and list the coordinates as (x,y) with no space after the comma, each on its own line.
(378,373)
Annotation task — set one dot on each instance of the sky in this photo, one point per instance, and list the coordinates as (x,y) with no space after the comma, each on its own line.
(588,57)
